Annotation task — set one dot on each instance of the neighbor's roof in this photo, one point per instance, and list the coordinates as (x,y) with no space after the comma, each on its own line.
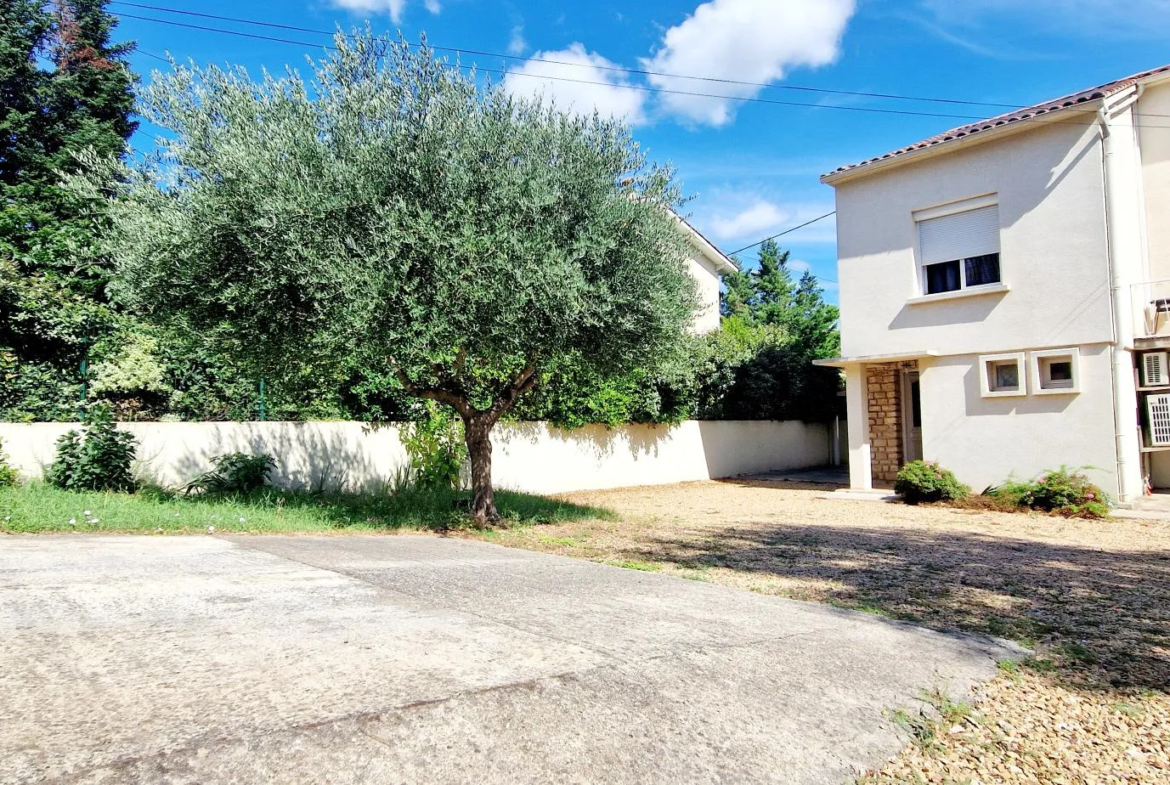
(1013,118)
(721,262)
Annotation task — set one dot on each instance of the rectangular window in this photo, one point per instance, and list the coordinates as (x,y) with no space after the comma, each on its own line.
(982,270)
(943,277)
(1056,371)
(959,249)
(1002,375)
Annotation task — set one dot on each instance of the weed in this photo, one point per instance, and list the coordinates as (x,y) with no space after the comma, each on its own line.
(644,566)
(1130,710)
(1039,665)
(560,542)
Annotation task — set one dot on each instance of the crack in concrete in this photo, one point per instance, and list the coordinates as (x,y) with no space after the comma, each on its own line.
(361,718)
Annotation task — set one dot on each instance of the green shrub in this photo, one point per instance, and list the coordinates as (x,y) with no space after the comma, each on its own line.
(96,460)
(1064,491)
(8,475)
(436,448)
(234,472)
(924,481)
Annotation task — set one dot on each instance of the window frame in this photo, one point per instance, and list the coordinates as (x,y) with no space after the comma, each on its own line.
(942,211)
(985,363)
(1071,354)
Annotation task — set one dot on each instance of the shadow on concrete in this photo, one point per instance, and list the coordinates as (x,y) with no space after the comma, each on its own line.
(1102,616)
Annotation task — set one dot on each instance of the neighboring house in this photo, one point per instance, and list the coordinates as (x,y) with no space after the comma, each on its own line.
(706,266)
(1000,286)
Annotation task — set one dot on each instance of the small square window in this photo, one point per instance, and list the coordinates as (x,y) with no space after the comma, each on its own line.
(1002,375)
(1056,371)
(1005,376)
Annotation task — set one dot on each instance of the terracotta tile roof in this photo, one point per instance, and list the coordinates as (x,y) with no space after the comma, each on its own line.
(1010,118)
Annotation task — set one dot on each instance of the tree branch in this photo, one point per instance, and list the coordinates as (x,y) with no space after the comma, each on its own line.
(458,402)
(524,381)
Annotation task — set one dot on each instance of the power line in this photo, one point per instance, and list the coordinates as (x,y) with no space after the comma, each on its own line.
(152,54)
(620,69)
(640,88)
(786,231)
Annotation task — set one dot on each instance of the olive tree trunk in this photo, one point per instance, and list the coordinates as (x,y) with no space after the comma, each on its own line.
(477,432)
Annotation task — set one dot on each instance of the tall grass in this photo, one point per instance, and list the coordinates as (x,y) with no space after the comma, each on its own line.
(37,507)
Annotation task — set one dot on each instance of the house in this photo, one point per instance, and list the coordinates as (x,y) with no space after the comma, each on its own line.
(1005,294)
(707,265)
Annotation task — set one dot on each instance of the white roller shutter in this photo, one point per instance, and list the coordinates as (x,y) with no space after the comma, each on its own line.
(959,236)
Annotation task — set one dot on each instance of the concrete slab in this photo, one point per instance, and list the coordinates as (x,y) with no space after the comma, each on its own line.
(852,495)
(407,659)
(821,475)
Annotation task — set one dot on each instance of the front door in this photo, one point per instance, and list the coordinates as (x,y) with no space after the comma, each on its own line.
(911,416)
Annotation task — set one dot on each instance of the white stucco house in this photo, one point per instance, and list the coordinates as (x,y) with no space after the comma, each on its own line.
(1005,294)
(706,266)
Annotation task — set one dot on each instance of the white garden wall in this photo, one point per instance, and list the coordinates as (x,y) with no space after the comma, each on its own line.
(533,457)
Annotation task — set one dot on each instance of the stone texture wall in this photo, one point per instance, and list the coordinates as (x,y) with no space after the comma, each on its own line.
(887,453)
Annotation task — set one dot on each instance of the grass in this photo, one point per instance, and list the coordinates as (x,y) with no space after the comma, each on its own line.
(41,508)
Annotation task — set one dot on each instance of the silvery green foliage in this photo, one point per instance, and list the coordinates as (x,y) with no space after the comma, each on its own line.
(396,212)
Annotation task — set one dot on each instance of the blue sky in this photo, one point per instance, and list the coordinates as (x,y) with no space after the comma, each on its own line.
(752,168)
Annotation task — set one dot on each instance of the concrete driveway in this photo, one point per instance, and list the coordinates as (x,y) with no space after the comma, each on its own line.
(419,659)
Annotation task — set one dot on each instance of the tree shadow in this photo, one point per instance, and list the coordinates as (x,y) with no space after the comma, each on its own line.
(597,441)
(1102,616)
(309,456)
(439,510)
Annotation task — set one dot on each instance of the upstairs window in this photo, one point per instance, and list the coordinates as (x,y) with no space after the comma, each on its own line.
(958,246)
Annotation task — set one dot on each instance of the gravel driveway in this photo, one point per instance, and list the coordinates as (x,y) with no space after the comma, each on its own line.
(421,659)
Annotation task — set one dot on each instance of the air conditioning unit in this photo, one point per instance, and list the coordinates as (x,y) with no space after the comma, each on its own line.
(1158,409)
(1155,370)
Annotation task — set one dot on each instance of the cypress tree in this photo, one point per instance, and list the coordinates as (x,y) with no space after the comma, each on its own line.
(65,87)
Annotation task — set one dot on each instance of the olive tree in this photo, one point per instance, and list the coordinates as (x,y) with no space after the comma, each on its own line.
(397,213)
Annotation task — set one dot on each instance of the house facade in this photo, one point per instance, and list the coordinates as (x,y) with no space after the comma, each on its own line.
(707,266)
(1001,287)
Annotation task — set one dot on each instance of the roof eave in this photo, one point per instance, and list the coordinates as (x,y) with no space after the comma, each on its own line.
(893,160)
(719,260)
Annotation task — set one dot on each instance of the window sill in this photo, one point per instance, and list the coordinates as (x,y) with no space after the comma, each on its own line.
(1005,394)
(1057,391)
(971,291)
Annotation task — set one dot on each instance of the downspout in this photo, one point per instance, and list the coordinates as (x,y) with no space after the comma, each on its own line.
(1129,483)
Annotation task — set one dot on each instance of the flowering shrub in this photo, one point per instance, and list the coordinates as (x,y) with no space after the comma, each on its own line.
(925,481)
(1064,491)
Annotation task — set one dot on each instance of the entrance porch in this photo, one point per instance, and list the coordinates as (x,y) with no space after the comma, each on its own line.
(885,416)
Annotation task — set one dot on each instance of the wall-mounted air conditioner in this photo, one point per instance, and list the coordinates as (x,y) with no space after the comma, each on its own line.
(1158,409)
(1155,370)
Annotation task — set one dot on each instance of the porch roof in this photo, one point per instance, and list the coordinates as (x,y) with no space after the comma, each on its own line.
(845,362)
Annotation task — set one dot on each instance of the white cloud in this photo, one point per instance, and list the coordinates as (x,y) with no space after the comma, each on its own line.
(608,91)
(742,219)
(393,7)
(516,44)
(745,40)
(755,219)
